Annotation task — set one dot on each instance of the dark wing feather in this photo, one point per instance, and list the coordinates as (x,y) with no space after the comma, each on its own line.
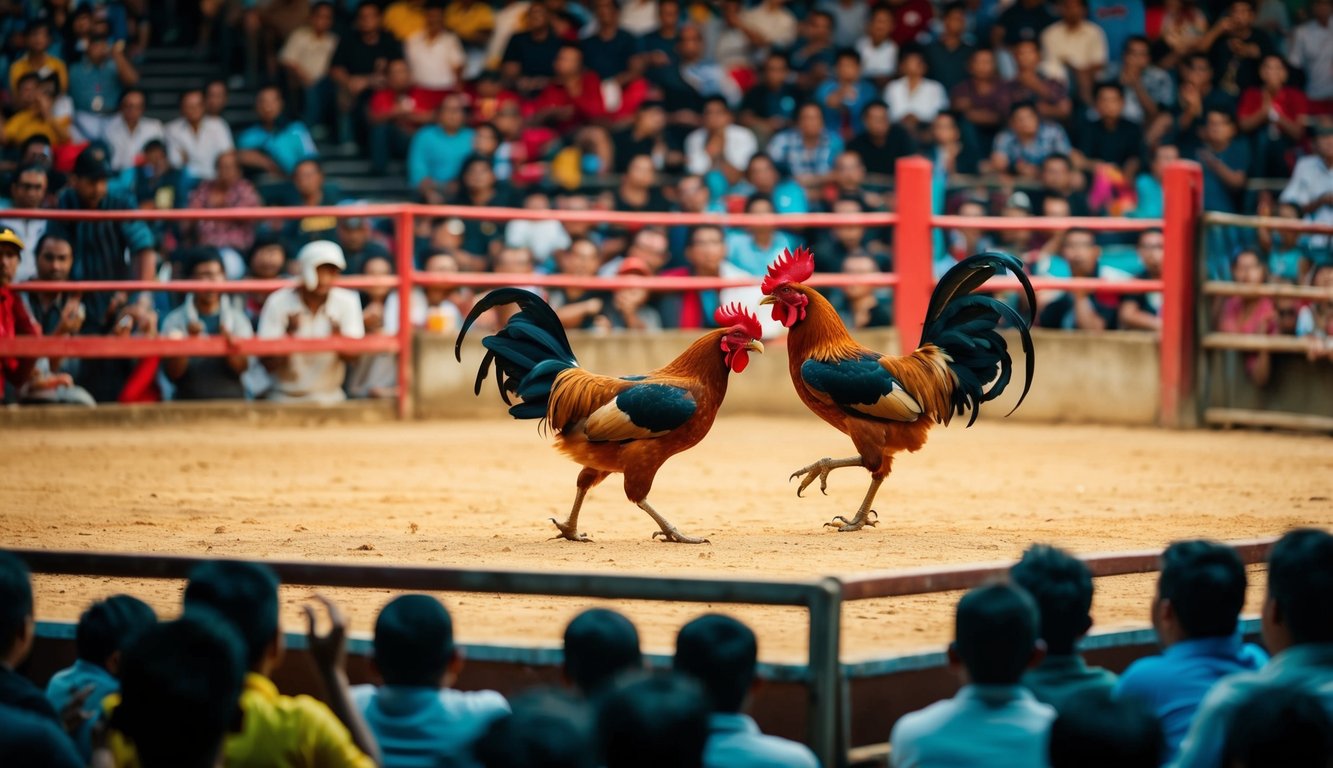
(861,387)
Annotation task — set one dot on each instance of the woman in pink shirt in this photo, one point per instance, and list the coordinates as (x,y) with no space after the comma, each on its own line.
(1250,314)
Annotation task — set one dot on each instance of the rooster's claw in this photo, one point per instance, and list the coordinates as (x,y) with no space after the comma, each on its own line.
(819,469)
(855,524)
(678,537)
(569,533)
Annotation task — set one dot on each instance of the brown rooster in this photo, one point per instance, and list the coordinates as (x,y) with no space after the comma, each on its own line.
(630,425)
(887,404)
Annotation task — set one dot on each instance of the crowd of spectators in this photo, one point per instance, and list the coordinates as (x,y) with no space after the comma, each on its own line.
(1026,108)
(197,691)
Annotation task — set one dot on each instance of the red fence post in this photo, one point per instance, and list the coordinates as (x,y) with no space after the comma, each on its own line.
(1182,186)
(405,257)
(913,255)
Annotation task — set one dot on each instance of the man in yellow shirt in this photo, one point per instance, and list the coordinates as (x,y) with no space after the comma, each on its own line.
(404,18)
(37,61)
(35,116)
(471,20)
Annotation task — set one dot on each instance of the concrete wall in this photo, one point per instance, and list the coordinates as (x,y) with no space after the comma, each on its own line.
(1097,378)
(1296,385)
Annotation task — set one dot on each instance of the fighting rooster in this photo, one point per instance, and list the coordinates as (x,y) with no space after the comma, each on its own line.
(887,404)
(630,425)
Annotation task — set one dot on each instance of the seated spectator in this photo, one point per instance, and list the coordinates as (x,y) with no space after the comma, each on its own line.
(950,49)
(273,144)
(35,116)
(1148,195)
(15,321)
(993,720)
(1143,311)
(913,99)
(1249,314)
(36,60)
(693,195)
(654,721)
(769,24)
(1021,148)
(58,315)
(1032,82)
(1196,612)
(643,136)
(308,189)
(360,65)
(436,154)
(629,309)
(547,729)
(267,260)
(541,237)
(1077,44)
(128,130)
(610,50)
(877,49)
(813,54)
(696,76)
(769,106)
(228,189)
(158,185)
(578,307)
(1279,726)
(806,151)
(356,237)
(982,99)
(478,188)
(754,248)
(95,84)
(1235,47)
(1094,730)
(1311,184)
(849,182)
(1297,630)
(434,54)
(416,715)
(1309,51)
(104,631)
(27,190)
(1196,95)
(1110,139)
(648,249)
(433,307)
(762,177)
(572,96)
(1058,179)
(719,144)
(859,305)
(638,190)
(527,62)
(600,646)
(1149,90)
(305,58)
(1062,587)
(946,148)
(395,113)
(216,97)
(1274,113)
(707,257)
(656,48)
(205,314)
(1082,309)
(312,309)
(721,654)
(844,95)
(194,140)
(1289,261)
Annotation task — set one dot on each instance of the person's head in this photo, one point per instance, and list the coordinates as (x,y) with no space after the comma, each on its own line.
(1197,71)
(849,235)
(132,103)
(1110,100)
(28,189)
(368,17)
(996,634)
(1061,584)
(810,120)
(690,43)
(478,175)
(545,729)
(1300,590)
(11,250)
(692,193)
(875,119)
(267,258)
(582,258)
(607,14)
(981,65)
(1219,127)
(452,113)
(1053,206)
(668,14)
(1241,13)
(245,595)
(1027,55)
(414,643)
(180,688)
(268,104)
(154,155)
(859,263)
(353,233)
(649,245)
(1150,248)
(55,255)
(1024,120)
(1247,266)
(1097,730)
(650,119)
(720,653)
(708,249)
(568,61)
(760,203)
(108,626)
(228,169)
(776,71)
(441,263)
(1057,173)
(308,178)
(376,265)
(39,37)
(91,171)
(206,264)
(640,173)
(25,93)
(1161,156)
(880,25)
(912,62)
(762,173)
(1323,140)
(1279,727)
(654,721)
(99,49)
(36,150)
(433,15)
(16,617)
(514,261)
(600,645)
(398,76)
(215,97)
(1321,10)
(1273,72)
(486,140)
(819,27)
(321,17)
(848,171)
(717,115)
(944,129)
(1079,248)
(1136,54)
(1073,11)
(192,105)
(1200,591)
(847,65)
(321,262)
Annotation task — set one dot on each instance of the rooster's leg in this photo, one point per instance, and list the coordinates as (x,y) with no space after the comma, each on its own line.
(570,528)
(863,514)
(820,469)
(669,531)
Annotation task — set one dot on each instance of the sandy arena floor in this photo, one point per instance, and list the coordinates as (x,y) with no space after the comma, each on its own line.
(479,494)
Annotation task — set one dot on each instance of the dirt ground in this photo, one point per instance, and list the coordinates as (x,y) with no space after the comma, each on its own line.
(478,494)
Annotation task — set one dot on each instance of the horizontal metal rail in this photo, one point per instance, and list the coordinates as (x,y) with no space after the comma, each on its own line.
(1258,342)
(1271,290)
(205,346)
(1045,223)
(1219,219)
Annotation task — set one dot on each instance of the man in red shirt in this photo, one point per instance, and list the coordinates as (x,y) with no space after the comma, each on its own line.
(395,112)
(574,96)
(14,317)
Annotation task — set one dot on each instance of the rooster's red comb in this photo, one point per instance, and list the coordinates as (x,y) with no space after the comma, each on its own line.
(789,268)
(735,314)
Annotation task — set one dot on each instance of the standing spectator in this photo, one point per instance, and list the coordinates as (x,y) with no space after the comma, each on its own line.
(95,84)
(1061,584)
(227,189)
(769,24)
(314,309)
(205,314)
(1110,139)
(883,141)
(806,150)
(719,144)
(1252,315)
(360,65)
(194,140)
(844,95)
(610,50)
(770,105)
(948,54)
(1032,83)
(1226,161)
(721,654)
(878,51)
(1027,142)
(128,130)
(572,97)
(1235,48)
(530,54)
(27,190)
(1143,311)
(395,113)
(436,153)
(1196,613)
(754,249)
(1274,114)
(35,116)
(1311,51)
(274,144)
(305,57)
(946,148)
(981,100)
(914,100)
(599,646)
(993,720)
(1078,45)
(1082,309)
(1311,184)
(434,54)
(1297,630)
(1148,89)
(36,60)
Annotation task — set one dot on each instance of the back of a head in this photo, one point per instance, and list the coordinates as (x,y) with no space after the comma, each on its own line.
(414,641)
(1061,584)
(1095,730)
(599,645)
(654,721)
(109,625)
(15,598)
(996,632)
(1205,582)
(547,729)
(245,594)
(1300,581)
(1279,728)
(180,686)
(720,652)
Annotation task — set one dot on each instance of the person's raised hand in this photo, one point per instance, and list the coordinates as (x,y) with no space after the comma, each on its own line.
(329,650)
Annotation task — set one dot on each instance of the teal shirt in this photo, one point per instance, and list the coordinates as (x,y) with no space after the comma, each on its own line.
(288,143)
(436,155)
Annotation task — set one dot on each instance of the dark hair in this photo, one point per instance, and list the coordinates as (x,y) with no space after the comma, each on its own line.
(827,16)
(1205,583)
(706,227)
(996,631)
(15,598)
(721,653)
(757,197)
(1025,104)
(245,594)
(654,721)
(853,199)
(1135,39)
(26,76)
(874,104)
(110,625)
(1220,111)
(190,92)
(1079,231)
(128,92)
(547,729)
(1300,581)
(31,167)
(414,641)
(954,6)
(1108,85)
(847,53)
(714,99)
(1058,157)
(154,145)
(54,232)
(192,258)
(1096,730)
(1279,727)
(1061,584)
(599,645)
(180,686)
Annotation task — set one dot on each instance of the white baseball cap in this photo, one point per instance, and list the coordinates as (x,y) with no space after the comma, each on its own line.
(313,255)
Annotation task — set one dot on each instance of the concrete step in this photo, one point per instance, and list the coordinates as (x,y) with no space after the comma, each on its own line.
(378,187)
(173,82)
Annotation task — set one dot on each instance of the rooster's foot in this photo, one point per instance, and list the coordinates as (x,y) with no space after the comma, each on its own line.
(856,523)
(676,536)
(569,532)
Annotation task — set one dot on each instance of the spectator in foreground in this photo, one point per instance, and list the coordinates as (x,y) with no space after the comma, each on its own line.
(1196,612)
(27,189)
(1095,730)
(313,309)
(993,720)
(104,631)
(205,314)
(1061,584)
(416,715)
(57,315)
(1280,727)
(1250,314)
(654,721)
(600,645)
(1082,309)
(548,729)
(1297,630)
(721,653)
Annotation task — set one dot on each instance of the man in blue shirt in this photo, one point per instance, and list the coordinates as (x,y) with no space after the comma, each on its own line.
(435,156)
(721,653)
(274,145)
(95,84)
(417,718)
(993,720)
(1196,610)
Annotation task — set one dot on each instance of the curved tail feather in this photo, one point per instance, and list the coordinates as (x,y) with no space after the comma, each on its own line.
(965,325)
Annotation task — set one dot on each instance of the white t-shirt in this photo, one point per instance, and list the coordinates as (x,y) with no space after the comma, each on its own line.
(927,101)
(1081,47)
(197,152)
(877,60)
(434,62)
(738,147)
(315,377)
(308,52)
(125,144)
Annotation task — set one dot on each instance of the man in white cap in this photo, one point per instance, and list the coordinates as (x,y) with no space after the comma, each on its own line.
(314,309)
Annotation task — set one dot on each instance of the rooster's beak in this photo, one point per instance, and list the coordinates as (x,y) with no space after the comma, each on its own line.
(755,346)
(768,300)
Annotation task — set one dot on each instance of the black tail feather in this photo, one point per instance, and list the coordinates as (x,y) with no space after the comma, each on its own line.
(965,325)
(528,352)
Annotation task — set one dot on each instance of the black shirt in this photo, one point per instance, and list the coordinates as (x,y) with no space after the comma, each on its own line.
(359,58)
(19,692)
(764,102)
(880,158)
(1112,145)
(609,58)
(534,57)
(1020,23)
(626,147)
(1233,73)
(948,67)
